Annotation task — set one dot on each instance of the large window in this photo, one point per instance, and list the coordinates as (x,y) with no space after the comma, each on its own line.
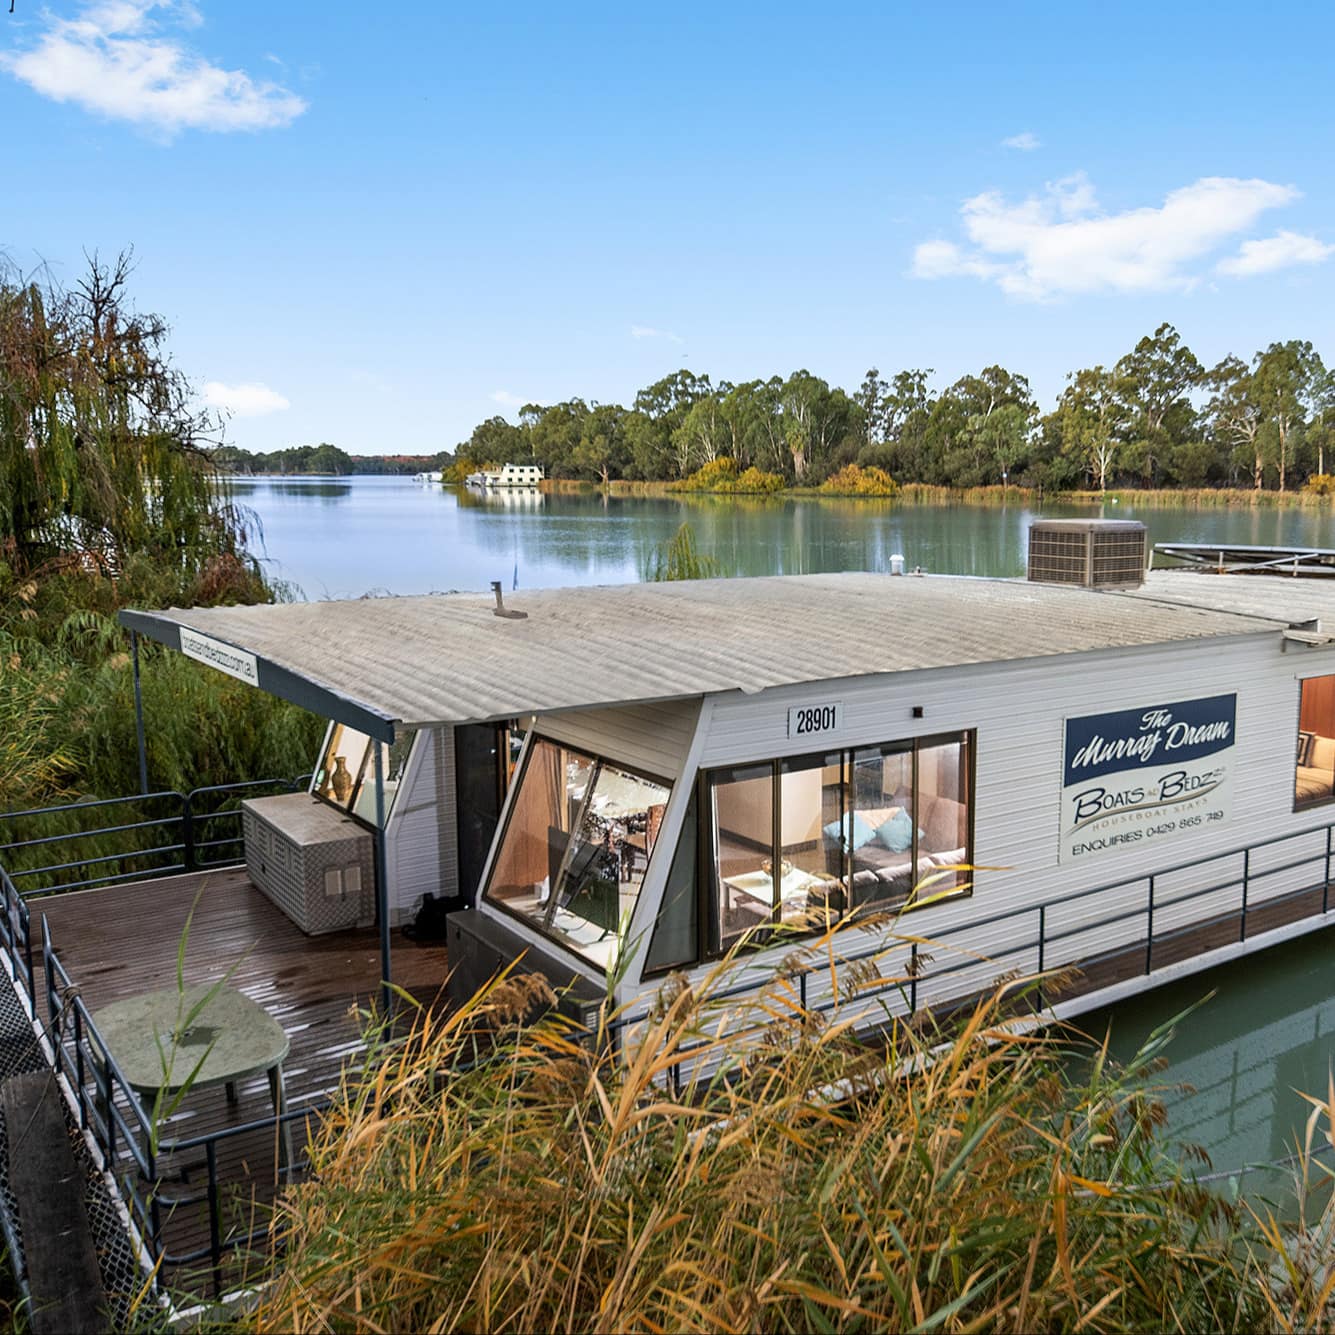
(1314,778)
(576,847)
(802,842)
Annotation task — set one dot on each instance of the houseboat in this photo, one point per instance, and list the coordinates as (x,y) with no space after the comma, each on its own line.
(511,477)
(1094,769)
(1074,770)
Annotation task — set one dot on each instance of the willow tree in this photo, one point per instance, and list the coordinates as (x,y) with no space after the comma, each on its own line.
(101,444)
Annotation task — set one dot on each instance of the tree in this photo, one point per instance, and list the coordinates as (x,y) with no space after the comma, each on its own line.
(1088,420)
(1287,379)
(101,447)
(983,427)
(1153,383)
(1235,416)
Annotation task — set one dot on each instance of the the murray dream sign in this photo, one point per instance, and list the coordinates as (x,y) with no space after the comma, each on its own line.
(1140,775)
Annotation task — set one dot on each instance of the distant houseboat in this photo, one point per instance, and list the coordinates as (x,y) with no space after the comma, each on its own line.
(501,479)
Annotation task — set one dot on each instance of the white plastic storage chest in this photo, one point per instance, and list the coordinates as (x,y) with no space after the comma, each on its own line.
(314,862)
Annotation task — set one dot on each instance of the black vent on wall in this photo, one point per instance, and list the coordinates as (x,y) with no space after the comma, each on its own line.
(1093,553)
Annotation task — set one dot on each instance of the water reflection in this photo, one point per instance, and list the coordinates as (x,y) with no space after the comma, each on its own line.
(1246,1055)
(314,489)
(344,536)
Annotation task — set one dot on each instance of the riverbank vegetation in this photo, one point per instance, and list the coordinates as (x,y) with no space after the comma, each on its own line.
(110,499)
(1157,418)
(322,460)
(556,1185)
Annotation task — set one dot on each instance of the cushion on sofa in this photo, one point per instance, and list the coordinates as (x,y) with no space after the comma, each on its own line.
(896,834)
(855,830)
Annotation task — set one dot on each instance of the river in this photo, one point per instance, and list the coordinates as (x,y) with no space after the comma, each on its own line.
(343,537)
(1248,1052)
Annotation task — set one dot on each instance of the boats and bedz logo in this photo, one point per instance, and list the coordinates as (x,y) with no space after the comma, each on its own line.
(1132,775)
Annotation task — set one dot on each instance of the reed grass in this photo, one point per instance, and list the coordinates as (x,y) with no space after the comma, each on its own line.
(555,1184)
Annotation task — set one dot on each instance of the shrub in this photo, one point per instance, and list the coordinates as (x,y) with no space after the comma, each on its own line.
(1321,484)
(721,475)
(852,480)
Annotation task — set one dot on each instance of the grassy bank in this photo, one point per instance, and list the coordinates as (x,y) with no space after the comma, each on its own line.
(554,1186)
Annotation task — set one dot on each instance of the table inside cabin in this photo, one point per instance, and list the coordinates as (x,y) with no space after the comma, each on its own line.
(230,1038)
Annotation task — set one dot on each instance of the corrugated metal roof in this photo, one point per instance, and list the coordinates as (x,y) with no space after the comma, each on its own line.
(448,659)
(1285,598)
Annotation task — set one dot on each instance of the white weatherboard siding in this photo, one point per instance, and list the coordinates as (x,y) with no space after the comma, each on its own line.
(1017,711)
(654,738)
(421,841)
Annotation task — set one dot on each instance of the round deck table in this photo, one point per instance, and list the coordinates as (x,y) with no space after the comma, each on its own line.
(235,1037)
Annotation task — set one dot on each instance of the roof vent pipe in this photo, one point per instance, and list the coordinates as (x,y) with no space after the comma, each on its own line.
(897,563)
(500,609)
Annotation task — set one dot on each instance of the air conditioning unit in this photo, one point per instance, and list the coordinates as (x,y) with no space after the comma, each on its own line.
(1093,553)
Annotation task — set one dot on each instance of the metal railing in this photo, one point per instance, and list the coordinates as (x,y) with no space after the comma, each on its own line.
(122,1127)
(161,834)
(1040,944)
(141,1161)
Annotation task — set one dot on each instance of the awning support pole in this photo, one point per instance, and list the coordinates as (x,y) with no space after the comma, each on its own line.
(382,881)
(139,714)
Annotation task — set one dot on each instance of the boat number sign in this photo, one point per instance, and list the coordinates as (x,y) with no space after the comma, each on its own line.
(811,720)
(235,662)
(1140,775)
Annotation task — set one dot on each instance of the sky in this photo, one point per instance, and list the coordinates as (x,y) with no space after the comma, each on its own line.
(379,225)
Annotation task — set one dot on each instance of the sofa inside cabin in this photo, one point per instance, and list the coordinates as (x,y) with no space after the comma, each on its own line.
(878,832)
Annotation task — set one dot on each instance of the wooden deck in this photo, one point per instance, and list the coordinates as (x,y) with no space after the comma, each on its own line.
(122,940)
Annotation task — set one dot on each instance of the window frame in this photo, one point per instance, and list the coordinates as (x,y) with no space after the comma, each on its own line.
(1312,803)
(709,890)
(517,779)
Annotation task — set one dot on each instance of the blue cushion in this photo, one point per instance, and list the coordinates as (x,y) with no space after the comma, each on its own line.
(897,832)
(862,833)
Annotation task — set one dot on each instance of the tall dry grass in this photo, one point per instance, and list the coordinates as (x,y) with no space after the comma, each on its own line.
(793,1184)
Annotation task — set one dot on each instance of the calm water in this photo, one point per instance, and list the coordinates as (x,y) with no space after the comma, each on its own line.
(342,537)
(1262,1035)
(1266,1035)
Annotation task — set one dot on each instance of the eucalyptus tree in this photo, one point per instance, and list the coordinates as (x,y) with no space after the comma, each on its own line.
(1154,383)
(817,421)
(1235,416)
(1089,421)
(1288,382)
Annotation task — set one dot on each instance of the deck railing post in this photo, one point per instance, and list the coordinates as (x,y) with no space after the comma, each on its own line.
(1325,884)
(1246,878)
(139,715)
(913,979)
(188,831)
(1149,930)
(1042,948)
(215,1223)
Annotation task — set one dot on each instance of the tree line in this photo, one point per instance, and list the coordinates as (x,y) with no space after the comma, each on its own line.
(1158,417)
(323,459)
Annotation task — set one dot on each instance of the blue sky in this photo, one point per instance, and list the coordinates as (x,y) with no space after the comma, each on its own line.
(377,225)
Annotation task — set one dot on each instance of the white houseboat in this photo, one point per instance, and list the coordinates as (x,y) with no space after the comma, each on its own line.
(1132,775)
(511,477)
(1101,776)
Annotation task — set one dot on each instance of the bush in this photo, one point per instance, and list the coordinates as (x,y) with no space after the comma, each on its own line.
(1321,484)
(721,475)
(852,480)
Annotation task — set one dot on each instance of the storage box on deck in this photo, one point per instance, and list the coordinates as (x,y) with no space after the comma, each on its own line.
(314,862)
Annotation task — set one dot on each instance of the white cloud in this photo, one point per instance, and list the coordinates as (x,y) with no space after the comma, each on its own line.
(646,331)
(1274,252)
(246,400)
(1025,142)
(116,59)
(1060,242)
